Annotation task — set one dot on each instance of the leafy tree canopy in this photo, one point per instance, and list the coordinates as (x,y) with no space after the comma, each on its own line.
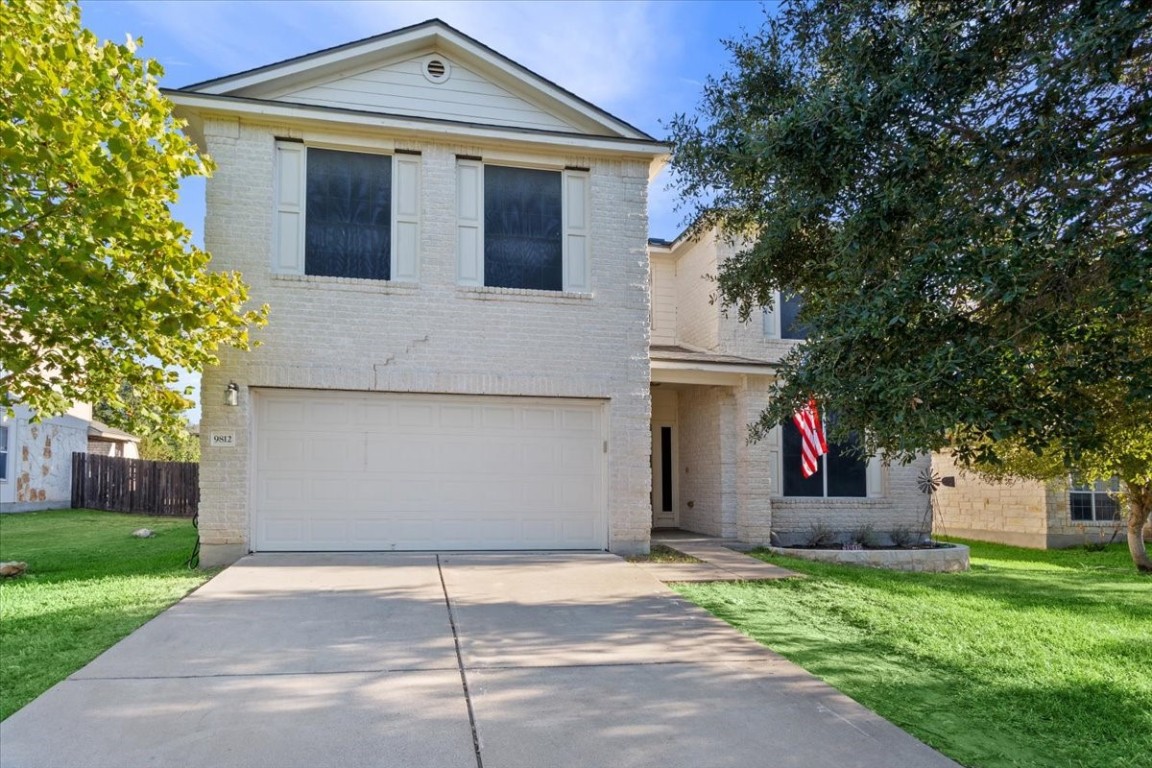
(962,195)
(102,291)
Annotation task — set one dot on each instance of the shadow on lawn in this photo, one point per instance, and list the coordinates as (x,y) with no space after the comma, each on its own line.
(987,715)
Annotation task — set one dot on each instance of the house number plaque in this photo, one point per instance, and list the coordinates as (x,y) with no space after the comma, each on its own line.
(223,439)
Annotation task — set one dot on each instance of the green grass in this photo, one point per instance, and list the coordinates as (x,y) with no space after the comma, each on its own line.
(1033,658)
(89,583)
(660,553)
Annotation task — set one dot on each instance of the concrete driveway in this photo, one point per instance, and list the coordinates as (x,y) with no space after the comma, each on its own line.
(477,661)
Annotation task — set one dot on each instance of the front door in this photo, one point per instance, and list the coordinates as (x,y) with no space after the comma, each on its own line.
(663,475)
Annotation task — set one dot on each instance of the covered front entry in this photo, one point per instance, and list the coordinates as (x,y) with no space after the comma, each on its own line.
(369,471)
(706,477)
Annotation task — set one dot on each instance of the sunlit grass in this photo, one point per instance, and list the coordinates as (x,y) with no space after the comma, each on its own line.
(1032,658)
(89,583)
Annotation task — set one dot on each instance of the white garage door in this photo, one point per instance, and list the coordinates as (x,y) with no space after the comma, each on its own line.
(382,471)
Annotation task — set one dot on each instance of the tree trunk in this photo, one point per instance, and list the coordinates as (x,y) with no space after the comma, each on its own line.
(1139,507)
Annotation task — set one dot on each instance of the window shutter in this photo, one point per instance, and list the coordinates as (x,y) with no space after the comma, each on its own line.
(576,229)
(470,222)
(406,217)
(288,243)
(875,477)
(772,318)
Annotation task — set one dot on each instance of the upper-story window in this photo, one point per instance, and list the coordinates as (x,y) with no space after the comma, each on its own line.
(1094,501)
(841,472)
(343,213)
(522,227)
(783,320)
(348,214)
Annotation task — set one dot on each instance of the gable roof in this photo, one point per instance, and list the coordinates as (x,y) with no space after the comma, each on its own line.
(271,83)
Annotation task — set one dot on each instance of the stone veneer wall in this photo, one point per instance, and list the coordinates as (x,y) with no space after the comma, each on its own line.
(1010,513)
(40,461)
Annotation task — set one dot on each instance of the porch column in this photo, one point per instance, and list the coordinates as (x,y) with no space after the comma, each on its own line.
(753,466)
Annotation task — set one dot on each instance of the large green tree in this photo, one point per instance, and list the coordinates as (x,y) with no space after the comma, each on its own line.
(962,195)
(101,291)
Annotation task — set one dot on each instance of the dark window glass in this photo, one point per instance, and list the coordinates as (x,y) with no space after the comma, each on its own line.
(348,231)
(1081,505)
(3,453)
(795,484)
(523,244)
(1094,501)
(1106,507)
(847,474)
(666,469)
(790,325)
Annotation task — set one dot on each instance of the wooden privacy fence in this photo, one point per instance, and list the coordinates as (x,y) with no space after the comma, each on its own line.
(143,487)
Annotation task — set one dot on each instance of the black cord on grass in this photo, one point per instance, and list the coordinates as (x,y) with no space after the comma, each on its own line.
(194,558)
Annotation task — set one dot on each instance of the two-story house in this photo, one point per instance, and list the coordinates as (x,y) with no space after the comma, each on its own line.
(455,254)
(710,377)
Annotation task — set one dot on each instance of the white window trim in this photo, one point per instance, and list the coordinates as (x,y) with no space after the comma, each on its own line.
(1093,493)
(771,320)
(575,219)
(873,475)
(291,210)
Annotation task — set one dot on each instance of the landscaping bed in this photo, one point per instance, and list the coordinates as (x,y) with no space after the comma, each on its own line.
(1031,658)
(89,583)
(929,558)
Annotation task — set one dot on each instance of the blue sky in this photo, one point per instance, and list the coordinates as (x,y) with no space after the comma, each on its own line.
(642,61)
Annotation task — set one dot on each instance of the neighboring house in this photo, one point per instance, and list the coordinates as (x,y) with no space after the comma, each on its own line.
(710,377)
(1027,513)
(36,458)
(109,441)
(455,254)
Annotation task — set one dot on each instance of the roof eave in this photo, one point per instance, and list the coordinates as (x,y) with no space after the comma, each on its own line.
(435,31)
(200,103)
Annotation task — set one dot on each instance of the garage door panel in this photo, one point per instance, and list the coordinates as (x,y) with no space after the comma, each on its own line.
(422,416)
(382,471)
(498,418)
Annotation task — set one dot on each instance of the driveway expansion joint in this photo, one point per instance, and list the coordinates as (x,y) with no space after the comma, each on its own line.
(460,665)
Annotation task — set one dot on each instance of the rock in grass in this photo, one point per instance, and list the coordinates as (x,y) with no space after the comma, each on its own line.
(143,533)
(12,569)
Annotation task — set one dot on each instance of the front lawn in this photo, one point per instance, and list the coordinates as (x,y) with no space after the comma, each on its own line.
(89,583)
(1033,658)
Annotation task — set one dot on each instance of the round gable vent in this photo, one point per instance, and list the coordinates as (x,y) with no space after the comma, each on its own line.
(437,69)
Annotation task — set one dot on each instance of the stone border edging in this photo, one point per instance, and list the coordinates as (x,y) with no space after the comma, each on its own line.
(948,559)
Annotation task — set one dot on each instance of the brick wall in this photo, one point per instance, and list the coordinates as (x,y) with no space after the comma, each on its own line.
(900,504)
(434,336)
(696,318)
(702,462)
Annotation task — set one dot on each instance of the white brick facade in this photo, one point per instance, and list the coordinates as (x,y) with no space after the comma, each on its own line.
(727,486)
(433,336)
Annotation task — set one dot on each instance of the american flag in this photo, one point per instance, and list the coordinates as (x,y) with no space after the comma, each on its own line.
(812,445)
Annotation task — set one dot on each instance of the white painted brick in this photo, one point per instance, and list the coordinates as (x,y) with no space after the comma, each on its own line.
(435,336)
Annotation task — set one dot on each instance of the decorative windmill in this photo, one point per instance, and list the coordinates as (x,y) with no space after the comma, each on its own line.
(929,483)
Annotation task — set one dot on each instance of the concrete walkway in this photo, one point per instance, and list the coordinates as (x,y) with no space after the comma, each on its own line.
(717,561)
(477,661)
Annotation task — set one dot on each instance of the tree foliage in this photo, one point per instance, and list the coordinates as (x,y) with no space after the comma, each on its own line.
(101,287)
(962,195)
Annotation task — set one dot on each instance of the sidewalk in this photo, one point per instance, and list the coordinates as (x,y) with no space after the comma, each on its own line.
(719,563)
